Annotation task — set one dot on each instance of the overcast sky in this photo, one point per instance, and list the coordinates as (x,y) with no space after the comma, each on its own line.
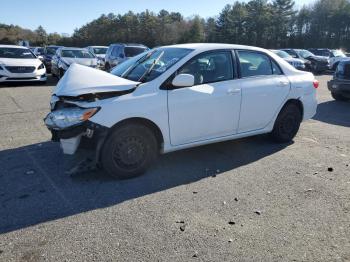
(65,15)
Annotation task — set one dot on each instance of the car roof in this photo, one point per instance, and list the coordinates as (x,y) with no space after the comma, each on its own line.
(214,46)
(14,46)
(97,46)
(128,44)
(72,48)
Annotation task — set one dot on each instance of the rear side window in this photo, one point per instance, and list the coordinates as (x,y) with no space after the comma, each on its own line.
(257,64)
(209,67)
(131,51)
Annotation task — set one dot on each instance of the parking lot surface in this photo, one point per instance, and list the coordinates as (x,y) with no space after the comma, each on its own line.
(244,200)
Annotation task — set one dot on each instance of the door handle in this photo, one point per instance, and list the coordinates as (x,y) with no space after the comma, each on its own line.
(284,83)
(233,91)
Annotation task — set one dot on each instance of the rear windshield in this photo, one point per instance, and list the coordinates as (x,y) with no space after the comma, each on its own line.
(76,54)
(20,53)
(131,51)
(51,50)
(100,50)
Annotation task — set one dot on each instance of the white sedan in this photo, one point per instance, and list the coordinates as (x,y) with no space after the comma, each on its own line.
(177,97)
(18,63)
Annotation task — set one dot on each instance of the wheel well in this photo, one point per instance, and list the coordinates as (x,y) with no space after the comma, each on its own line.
(146,122)
(296,102)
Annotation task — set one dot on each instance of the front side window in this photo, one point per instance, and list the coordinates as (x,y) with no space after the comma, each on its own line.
(149,65)
(257,64)
(51,50)
(20,53)
(76,54)
(209,67)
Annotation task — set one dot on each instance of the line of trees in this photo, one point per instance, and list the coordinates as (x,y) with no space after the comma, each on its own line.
(270,24)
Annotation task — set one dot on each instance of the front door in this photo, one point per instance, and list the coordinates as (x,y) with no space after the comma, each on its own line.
(211,107)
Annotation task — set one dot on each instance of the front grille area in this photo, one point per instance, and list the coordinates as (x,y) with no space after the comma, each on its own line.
(20,69)
(21,78)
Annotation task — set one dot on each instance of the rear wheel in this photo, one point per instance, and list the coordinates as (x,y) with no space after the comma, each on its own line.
(129,151)
(287,124)
(339,97)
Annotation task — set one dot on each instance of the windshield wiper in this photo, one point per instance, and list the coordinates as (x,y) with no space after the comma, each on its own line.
(149,70)
(131,68)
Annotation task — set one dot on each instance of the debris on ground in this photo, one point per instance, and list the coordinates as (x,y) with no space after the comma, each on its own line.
(258,212)
(230,240)
(224,203)
(180,222)
(309,190)
(231,222)
(330,169)
(195,192)
(182,228)
(236,199)
(195,254)
(30,172)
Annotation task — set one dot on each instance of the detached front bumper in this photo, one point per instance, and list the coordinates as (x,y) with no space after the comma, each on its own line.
(87,135)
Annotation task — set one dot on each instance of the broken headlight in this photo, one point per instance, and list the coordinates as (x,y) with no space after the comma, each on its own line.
(68,117)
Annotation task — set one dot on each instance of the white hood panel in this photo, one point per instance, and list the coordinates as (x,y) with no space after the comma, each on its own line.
(79,80)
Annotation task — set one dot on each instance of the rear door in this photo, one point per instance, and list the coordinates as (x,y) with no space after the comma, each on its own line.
(210,108)
(264,89)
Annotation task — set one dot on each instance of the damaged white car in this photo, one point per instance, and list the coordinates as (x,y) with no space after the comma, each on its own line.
(176,97)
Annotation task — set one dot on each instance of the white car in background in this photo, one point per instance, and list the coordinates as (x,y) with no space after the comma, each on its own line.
(99,52)
(18,63)
(175,97)
(66,56)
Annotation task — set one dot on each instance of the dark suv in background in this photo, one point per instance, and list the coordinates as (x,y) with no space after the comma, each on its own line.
(48,53)
(118,53)
(340,84)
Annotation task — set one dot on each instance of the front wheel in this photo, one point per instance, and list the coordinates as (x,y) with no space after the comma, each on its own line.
(287,124)
(129,151)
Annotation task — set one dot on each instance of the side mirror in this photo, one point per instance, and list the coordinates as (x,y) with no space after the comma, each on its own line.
(183,80)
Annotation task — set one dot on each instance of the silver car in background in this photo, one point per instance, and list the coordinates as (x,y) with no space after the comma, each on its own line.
(99,52)
(297,63)
(66,56)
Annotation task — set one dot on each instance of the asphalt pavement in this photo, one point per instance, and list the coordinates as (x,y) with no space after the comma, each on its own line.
(244,200)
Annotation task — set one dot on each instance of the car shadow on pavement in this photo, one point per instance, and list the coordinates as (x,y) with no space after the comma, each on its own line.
(334,112)
(34,187)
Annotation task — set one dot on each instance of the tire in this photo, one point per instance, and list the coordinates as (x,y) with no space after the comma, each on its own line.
(339,97)
(335,66)
(129,151)
(60,73)
(287,124)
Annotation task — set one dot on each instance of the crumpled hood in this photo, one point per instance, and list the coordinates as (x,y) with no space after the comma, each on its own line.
(81,61)
(80,80)
(20,62)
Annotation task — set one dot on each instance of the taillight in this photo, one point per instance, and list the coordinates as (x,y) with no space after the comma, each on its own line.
(316,84)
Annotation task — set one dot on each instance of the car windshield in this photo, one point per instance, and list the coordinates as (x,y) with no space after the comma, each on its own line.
(51,50)
(10,52)
(76,53)
(131,51)
(305,53)
(149,65)
(100,50)
(338,53)
(282,54)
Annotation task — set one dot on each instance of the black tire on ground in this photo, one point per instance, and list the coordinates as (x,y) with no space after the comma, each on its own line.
(60,73)
(107,67)
(129,151)
(339,97)
(335,66)
(287,124)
